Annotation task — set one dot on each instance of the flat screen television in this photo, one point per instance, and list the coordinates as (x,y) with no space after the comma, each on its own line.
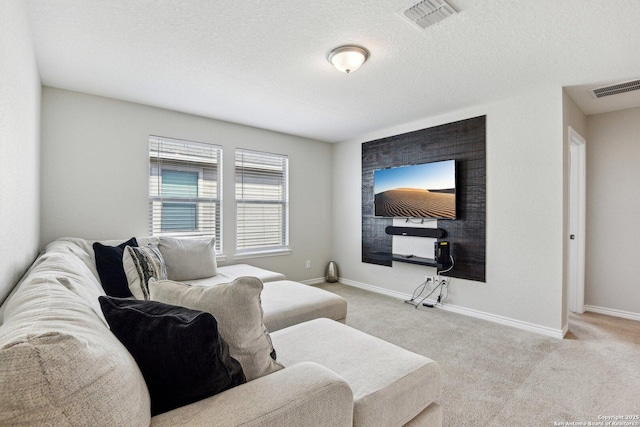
(426,190)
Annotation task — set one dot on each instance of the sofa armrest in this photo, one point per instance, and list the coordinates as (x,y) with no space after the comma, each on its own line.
(305,394)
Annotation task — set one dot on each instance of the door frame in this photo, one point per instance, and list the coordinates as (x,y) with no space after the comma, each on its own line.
(577,221)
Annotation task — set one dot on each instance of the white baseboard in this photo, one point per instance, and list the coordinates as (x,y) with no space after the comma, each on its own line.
(531,327)
(375,289)
(313,281)
(612,312)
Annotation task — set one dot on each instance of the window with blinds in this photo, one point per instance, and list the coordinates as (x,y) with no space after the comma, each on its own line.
(185,189)
(262,201)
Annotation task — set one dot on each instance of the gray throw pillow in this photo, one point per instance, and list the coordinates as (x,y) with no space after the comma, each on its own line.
(141,264)
(189,259)
(238,310)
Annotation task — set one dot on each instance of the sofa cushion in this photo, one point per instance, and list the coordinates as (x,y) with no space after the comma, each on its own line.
(110,269)
(390,385)
(228,273)
(141,264)
(83,248)
(303,395)
(60,364)
(178,350)
(237,308)
(188,259)
(287,303)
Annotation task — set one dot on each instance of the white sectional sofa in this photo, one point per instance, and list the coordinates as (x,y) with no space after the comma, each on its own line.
(60,364)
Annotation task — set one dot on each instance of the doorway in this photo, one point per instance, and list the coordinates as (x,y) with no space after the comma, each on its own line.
(577,220)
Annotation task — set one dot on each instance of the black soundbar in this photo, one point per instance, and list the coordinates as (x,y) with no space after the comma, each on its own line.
(413,231)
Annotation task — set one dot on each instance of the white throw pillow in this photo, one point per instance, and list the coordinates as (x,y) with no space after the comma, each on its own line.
(140,264)
(189,259)
(238,310)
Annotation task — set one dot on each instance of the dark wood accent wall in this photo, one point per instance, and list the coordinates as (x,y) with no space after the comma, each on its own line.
(464,141)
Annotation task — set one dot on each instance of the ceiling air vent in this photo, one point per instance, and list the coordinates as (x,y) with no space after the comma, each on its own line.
(615,89)
(427,12)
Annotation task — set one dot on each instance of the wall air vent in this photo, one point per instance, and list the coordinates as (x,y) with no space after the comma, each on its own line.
(615,89)
(427,12)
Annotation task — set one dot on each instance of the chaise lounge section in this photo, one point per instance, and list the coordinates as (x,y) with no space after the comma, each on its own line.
(391,386)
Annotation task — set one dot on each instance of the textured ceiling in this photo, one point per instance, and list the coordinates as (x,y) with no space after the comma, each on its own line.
(263,63)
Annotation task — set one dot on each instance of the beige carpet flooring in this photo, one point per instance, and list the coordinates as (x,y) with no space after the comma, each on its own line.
(495,375)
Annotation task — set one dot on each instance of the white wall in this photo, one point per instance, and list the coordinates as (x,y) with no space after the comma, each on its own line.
(95,174)
(525,224)
(20,92)
(572,116)
(613,205)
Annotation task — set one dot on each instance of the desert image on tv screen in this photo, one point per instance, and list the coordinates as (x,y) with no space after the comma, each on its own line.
(419,191)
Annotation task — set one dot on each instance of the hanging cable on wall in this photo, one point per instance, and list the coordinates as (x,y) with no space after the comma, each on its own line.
(442,284)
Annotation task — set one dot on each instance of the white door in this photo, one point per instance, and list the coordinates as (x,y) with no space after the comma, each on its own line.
(577,226)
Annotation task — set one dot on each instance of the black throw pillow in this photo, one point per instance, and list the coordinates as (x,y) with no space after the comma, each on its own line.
(178,350)
(110,269)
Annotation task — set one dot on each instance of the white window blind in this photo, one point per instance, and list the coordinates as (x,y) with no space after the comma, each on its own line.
(185,189)
(262,201)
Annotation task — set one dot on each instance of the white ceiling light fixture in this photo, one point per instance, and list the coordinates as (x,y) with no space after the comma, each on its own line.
(348,58)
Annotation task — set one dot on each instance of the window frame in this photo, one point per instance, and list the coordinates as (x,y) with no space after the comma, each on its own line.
(160,160)
(282,247)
